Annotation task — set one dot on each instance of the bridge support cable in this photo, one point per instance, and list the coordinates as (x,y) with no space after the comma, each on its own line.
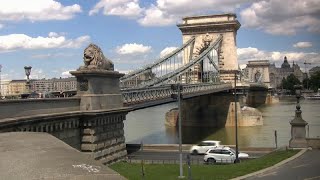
(160,67)
(187,70)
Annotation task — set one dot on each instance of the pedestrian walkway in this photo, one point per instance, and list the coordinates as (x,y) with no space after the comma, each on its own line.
(31,155)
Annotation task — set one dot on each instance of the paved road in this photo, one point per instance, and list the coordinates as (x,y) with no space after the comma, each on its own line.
(305,167)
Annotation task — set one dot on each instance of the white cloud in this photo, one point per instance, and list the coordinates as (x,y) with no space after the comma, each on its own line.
(50,55)
(167,51)
(66,74)
(36,10)
(1,26)
(133,49)
(302,45)
(156,17)
(250,53)
(282,17)
(37,74)
(164,12)
(21,41)
(168,12)
(128,8)
(53,34)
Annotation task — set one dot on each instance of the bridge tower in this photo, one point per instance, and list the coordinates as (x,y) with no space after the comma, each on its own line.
(208,28)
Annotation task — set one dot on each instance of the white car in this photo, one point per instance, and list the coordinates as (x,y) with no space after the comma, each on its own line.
(222,155)
(204,146)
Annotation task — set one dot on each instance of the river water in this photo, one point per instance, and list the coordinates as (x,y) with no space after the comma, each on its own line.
(147,126)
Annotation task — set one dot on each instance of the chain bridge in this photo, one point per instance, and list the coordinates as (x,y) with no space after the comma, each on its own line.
(93,121)
(204,64)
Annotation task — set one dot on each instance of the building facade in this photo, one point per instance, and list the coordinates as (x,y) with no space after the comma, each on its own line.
(64,84)
(17,87)
(277,74)
(264,72)
(40,86)
(4,87)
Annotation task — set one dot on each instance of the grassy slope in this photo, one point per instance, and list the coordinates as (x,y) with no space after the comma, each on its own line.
(201,172)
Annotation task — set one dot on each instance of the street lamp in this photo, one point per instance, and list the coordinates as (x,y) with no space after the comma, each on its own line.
(27,70)
(236,115)
(177,88)
(298,125)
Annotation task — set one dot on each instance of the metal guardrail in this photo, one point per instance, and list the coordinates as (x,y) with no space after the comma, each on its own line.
(194,160)
(139,95)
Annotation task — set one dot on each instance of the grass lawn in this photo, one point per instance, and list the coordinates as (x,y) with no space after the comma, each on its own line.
(201,172)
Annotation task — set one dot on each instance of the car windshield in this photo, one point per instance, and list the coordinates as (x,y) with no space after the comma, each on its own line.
(233,151)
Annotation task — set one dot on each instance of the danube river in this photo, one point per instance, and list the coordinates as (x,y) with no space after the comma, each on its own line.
(147,126)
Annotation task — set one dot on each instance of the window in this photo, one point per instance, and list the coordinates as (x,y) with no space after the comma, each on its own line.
(215,151)
(225,152)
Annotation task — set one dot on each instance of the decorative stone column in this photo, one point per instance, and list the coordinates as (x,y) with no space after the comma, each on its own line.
(298,125)
(102,133)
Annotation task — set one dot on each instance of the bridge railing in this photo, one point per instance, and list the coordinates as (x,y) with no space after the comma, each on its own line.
(140,95)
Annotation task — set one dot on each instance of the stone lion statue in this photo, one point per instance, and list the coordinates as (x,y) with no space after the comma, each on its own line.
(94,59)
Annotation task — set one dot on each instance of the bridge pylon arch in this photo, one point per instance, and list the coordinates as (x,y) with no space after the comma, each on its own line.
(208,28)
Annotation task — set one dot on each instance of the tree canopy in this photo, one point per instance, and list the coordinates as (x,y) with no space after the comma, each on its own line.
(289,82)
(315,81)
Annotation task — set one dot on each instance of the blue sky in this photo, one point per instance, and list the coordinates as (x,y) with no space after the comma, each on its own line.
(50,35)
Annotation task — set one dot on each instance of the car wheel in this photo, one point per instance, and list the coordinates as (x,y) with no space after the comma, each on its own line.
(194,152)
(211,161)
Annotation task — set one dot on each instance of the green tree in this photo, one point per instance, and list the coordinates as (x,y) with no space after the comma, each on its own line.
(306,83)
(315,81)
(289,82)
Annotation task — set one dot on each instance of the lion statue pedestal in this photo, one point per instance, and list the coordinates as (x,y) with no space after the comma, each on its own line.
(98,83)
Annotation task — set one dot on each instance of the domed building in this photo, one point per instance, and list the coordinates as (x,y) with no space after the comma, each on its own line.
(277,74)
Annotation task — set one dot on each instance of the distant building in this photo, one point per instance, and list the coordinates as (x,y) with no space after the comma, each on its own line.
(139,79)
(5,87)
(17,87)
(42,85)
(264,72)
(313,70)
(277,74)
(64,84)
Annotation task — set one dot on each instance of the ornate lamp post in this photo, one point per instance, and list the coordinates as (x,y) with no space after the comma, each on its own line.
(27,70)
(177,88)
(236,115)
(298,125)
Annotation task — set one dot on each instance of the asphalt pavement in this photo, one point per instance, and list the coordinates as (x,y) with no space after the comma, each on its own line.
(305,167)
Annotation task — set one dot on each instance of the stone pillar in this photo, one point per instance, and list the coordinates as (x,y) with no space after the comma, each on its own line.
(102,133)
(98,89)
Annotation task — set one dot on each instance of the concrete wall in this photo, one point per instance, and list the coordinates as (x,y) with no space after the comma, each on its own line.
(100,134)
(103,137)
(30,107)
(64,127)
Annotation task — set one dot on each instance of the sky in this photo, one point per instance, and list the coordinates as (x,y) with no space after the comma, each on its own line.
(50,35)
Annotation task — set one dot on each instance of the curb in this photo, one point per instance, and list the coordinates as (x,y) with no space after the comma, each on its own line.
(272,167)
